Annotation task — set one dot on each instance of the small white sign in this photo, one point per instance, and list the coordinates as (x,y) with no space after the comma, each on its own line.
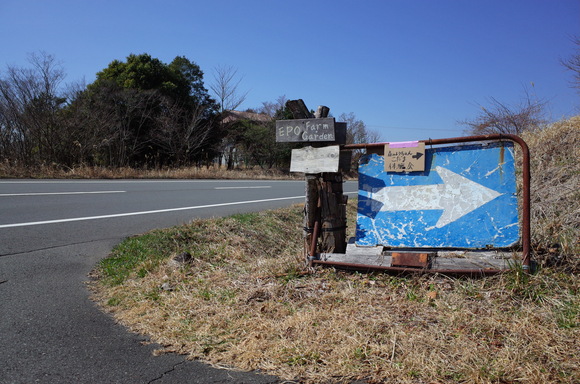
(315,160)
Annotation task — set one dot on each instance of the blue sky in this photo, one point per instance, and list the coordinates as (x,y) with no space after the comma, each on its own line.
(409,69)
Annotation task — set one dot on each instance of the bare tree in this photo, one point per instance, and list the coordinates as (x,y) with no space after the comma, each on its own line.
(505,119)
(225,88)
(182,134)
(273,108)
(30,102)
(573,64)
(357,131)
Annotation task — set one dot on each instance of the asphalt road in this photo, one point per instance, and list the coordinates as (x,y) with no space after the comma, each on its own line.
(52,233)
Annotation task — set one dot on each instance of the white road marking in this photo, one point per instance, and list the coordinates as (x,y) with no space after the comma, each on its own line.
(137,181)
(56,193)
(145,212)
(256,187)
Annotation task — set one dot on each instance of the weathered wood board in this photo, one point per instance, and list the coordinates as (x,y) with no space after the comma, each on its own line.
(315,160)
(305,130)
(443,261)
(319,160)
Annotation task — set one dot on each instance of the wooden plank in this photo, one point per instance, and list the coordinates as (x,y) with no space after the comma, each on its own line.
(340,132)
(352,249)
(315,160)
(440,260)
(442,263)
(305,130)
(332,214)
(378,260)
(298,109)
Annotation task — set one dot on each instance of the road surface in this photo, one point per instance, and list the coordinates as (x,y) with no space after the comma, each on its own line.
(53,232)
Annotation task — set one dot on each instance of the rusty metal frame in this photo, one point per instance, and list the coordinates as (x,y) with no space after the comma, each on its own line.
(526,232)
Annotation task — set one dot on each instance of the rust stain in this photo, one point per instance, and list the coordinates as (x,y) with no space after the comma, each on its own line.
(501,162)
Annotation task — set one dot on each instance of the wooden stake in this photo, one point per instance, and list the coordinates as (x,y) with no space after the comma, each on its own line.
(325,205)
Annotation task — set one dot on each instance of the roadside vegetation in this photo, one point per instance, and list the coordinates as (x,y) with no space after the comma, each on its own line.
(95,172)
(245,301)
(140,116)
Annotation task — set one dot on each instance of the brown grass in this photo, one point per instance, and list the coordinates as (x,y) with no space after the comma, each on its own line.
(55,171)
(246,301)
(555,193)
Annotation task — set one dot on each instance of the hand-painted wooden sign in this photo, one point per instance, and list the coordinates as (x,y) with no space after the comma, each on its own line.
(319,160)
(465,198)
(315,160)
(305,130)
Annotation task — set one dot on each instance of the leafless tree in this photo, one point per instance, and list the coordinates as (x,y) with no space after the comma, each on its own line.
(573,64)
(502,118)
(357,133)
(181,133)
(272,108)
(30,102)
(225,88)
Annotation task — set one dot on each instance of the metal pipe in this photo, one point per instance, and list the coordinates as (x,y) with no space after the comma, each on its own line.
(526,227)
(315,233)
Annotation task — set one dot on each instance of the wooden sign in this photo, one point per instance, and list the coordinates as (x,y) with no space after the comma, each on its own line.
(305,130)
(315,160)
(405,157)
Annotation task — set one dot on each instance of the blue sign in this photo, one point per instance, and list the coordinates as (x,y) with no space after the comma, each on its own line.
(465,198)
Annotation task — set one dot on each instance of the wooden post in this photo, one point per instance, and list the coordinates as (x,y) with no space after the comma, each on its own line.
(311,215)
(325,206)
(333,214)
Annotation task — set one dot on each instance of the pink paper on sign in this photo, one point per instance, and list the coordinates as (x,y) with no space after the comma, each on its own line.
(404,144)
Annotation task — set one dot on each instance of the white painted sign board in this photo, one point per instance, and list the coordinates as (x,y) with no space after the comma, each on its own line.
(315,160)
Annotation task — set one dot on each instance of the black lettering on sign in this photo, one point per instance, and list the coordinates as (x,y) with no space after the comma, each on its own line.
(410,158)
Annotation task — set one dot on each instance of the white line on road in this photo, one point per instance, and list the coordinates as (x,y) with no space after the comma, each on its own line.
(145,212)
(256,187)
(56,193)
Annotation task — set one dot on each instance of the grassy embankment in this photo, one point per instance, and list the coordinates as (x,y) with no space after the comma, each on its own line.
(244,302)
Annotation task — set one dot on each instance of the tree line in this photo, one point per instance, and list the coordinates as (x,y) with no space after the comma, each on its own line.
(139,112)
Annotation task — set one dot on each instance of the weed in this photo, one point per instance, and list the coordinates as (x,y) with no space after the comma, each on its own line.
(152,294)
(205,294)
(297,357)
(567,315)
(413,295)
(113,301)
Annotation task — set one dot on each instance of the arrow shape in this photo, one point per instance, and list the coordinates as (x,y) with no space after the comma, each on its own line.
(457,197)
(417,155)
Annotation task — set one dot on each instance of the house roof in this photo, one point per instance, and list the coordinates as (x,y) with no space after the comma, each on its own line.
(233,116)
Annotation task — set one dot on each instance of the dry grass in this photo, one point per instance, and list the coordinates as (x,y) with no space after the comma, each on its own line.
(555,193)
(245,302)
(85,172)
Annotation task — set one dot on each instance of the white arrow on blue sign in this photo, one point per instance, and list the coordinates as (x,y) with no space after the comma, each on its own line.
(466,198)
